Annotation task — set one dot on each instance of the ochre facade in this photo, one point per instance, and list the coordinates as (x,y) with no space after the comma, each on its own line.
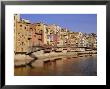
(28,36)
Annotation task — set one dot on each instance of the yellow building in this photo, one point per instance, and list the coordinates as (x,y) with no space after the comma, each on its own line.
(72,41)
(21,35)
(41,29)
(64,36)
(16,19)
(22,42)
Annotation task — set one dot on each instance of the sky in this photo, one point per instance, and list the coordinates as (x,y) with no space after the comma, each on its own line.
(86,23)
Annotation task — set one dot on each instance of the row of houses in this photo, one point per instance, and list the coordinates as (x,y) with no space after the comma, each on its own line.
(32,35)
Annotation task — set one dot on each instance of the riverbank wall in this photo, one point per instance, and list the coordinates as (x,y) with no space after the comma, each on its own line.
(39,57)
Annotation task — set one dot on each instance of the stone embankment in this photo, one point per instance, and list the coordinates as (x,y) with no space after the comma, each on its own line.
(23,60)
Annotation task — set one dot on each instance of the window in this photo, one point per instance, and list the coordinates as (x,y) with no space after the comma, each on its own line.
(24,27)
(22,43)
(39,25)
(20,25)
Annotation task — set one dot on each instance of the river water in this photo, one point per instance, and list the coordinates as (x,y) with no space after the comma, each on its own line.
(65,66)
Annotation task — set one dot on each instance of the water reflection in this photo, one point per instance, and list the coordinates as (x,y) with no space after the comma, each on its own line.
(68,66)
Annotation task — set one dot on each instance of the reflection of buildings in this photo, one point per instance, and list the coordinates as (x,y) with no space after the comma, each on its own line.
(30,36)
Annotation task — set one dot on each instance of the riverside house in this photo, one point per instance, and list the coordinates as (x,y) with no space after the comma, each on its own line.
(35,36)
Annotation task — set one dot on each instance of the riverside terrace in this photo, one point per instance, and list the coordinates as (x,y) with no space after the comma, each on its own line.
(48,49)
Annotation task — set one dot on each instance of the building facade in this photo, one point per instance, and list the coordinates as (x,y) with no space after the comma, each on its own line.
(28,36)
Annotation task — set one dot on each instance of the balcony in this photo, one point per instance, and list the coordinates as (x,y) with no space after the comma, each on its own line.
(39,32)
